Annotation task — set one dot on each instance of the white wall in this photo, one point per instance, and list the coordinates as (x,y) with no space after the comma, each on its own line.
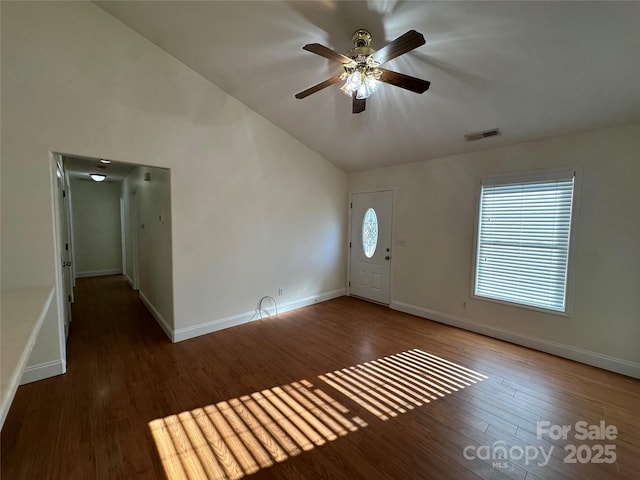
(97,230)
(45,360)
(153,230)
(435,212)
(252,208)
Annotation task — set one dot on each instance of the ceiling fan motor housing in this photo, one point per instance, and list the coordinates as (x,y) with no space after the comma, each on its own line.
(361,39)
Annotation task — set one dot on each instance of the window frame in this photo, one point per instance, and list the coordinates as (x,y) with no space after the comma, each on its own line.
(530,177)
(364,222)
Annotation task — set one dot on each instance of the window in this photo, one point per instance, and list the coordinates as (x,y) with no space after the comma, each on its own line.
(369,233)
(522,246)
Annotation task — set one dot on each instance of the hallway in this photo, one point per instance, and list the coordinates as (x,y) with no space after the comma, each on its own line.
(95,413)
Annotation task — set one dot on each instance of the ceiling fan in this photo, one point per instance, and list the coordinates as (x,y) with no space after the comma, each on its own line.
(362,72)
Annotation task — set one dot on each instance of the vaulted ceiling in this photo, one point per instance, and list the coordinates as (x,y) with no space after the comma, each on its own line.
(531,69)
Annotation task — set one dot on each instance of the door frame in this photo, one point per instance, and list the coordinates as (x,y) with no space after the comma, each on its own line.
(134,214)
(64,238)
(68,211)
(350,240)
(62,304)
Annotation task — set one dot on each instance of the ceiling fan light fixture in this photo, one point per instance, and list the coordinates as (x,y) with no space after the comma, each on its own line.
(352,83)
(368,87)
(362,75)
(361,78)
(346,89)
(363,92)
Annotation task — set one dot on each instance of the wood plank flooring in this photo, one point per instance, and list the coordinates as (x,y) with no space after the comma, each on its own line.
(344,389)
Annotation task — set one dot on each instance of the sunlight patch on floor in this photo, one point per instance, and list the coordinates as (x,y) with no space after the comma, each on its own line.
(392,385)
(240,436)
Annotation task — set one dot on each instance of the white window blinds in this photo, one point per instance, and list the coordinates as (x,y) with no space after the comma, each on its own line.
(523,242)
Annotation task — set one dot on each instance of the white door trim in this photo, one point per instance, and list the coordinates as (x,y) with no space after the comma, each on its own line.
(350,240)
(54,158)
(69,222)
(133,208)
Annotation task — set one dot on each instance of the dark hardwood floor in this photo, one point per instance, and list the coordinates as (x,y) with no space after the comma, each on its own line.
(344,389)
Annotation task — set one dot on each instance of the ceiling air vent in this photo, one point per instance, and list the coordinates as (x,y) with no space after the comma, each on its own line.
(471,137)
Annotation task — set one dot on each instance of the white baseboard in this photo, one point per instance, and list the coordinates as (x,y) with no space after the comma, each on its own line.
(156,314)
(607,362)
(99,273)
(129,281)
(212,326)
(42,371)
(234,320)
(305,302)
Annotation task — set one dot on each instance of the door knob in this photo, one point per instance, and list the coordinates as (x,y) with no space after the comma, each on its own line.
(387,257)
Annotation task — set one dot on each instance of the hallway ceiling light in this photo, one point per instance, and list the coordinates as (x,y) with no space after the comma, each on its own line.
(106,162)
(98,177)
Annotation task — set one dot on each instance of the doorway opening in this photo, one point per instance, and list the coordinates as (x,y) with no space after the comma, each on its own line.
(114,218)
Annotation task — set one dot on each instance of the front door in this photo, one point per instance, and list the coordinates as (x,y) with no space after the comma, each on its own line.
(370,255)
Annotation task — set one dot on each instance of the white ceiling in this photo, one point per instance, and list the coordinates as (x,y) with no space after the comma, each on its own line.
(532,69)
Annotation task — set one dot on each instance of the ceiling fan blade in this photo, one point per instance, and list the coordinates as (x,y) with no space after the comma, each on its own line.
(318,87)
(401,80)
(326,52)
(403,44)
(359,104)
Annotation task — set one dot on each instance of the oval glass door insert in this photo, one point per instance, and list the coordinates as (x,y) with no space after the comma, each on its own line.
(369,233)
